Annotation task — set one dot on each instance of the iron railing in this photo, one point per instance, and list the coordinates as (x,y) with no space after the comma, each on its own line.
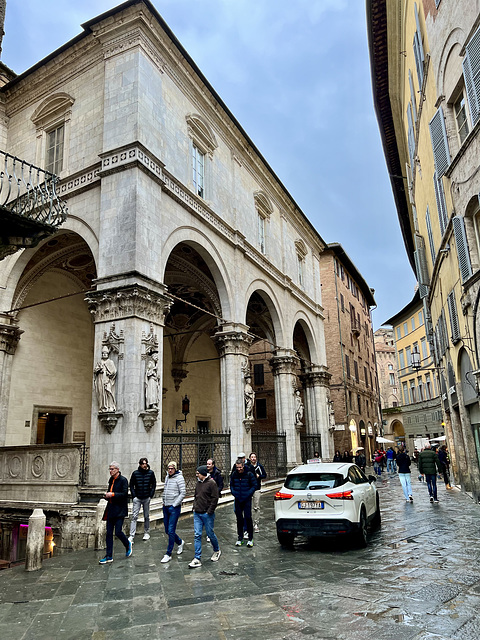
(271,450)
(83,471)
(309,444)
(30,192)
(189,450)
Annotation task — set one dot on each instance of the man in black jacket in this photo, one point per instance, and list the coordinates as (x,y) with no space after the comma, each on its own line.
(215,474)
(243,485)
(142,487)
(116,511)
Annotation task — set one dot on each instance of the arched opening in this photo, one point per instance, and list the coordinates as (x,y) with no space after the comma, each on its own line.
(51,383)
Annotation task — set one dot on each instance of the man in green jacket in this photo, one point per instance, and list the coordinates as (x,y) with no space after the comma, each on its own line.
(428,464)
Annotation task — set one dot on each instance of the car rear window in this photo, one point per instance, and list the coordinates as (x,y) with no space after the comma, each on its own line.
(314,480)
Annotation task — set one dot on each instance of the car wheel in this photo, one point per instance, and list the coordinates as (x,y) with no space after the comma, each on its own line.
(285,539)
(377,517)
(361,534)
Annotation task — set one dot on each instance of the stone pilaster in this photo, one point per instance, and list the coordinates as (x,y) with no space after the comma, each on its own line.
(317,384)
(233,342)
(9,336)
(128,319)
(284,365)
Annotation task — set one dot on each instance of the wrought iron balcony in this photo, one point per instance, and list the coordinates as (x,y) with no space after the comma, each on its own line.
(30,209)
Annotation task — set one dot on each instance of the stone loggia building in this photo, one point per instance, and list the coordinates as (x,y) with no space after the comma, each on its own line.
(181,251)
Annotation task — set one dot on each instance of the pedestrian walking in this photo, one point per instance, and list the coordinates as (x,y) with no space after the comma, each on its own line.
(361,460)
(173,495)
(260,474)
(142,489)
(377,461)
(215,474)
(337,457)
(404,474)
(243,485)
(428,464)
(347,456)
(391,464)
(204,504)
(116,511)
(445,463)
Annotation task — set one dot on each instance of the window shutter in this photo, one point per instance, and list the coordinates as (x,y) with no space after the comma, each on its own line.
(412,95)
(433,253)
(441,204)
(471,73)
(462,247)
(421,267)
(438,134)
(452,311)
(418,50)
(409,183)
(411,138)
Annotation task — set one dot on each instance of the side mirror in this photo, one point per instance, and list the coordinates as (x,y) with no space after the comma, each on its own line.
(372,479)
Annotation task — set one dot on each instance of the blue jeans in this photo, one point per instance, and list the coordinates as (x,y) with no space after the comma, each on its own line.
(405,481)
(391,465)
(201,520)
(170,519)
(243,512)
(115,524)
(431,484)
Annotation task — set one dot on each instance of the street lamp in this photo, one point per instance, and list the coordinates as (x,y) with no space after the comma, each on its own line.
(185,411)
(416,360)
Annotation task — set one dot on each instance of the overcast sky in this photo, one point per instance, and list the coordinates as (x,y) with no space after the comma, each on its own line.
(296,76)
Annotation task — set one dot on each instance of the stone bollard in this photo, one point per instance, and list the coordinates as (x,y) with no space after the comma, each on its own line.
(35,540)
(100,525)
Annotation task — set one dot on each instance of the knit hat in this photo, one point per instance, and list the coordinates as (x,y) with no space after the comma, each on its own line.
(202,470)
(172,463)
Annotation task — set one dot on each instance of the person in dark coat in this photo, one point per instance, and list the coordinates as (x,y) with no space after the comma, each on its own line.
(142,488)
(347,456)
(116,511)
(215,474)
(337,457)
(404,474)
(243,484)
(428,463)
(445,462)
(361,460)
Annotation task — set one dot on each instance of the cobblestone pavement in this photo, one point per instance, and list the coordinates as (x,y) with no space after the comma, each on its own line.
(418,579)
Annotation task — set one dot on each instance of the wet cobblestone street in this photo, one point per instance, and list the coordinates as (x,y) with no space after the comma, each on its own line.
(418,579)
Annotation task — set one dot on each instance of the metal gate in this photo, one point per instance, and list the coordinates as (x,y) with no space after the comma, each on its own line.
(189,450)
(271,449)
(309,444)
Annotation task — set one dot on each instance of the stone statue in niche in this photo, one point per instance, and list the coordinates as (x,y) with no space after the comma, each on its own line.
(249,395)
(299,408)
(151,382)
(105,374)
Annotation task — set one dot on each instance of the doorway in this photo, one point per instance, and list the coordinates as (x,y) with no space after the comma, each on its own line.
(50,428)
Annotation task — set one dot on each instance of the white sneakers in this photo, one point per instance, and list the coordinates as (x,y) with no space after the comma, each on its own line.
(250,543)
(146,536)
(131,539)
(216,556)
(166,558)
(195,563)
(245,535)
(256,529)
(180,548)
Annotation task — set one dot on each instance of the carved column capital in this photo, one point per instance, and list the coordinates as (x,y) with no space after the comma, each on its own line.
(9,337)
(233,339)
(285,361)
(317,378)
(129,301)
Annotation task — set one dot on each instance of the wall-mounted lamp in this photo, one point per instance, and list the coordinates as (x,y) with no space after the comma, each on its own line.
(416,360)
(185,411)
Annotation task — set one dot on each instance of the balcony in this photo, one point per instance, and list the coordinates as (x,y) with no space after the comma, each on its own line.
(355,325)
(30,209)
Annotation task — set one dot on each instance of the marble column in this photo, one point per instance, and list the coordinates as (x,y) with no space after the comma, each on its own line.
(9,336)
(284,364)
(233,344)
(317,383)
(126,317)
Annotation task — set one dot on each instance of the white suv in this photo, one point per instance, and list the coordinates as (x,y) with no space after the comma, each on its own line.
(326,499)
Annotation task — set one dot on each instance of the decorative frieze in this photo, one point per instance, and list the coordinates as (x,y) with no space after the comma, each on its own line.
(80,182)
(127,302)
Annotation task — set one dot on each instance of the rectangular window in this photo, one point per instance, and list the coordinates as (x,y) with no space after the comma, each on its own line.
(413,323)
(365,373)
(54,150)
(428,387)
(301,281)
(392,379)
(342,302)
(355,366)
(438,135)
(460,111)
(405,393)
(462,247)
(347,365)
(401,360)
(471,74)
(452,311)
(420,389)
(261,408)
(423,342)
(258,375)
(418,49)
(198,171)
(261,233)
(441,202)
(431,241)
(408,354)
(413,394)
(420,318)
(399,333)
(405,329)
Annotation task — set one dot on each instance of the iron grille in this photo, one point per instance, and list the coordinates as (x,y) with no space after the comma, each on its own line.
(83,473)
(189,450)
(309,444)
(271,450)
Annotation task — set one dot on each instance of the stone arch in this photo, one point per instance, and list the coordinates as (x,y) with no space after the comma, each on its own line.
(304,321)
(201,133)
(200,242)
(263,289)
(455,38)
(53,106)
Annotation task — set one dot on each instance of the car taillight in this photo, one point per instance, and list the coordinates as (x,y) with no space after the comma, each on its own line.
(282,496)
(342,495)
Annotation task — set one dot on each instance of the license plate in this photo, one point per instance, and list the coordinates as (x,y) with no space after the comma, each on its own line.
(310,505)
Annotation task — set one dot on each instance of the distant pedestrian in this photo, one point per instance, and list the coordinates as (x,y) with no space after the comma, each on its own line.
(260,474)
(428,464)
(243,485)
(116,511)
(204,504)
(173,494)
(347,456)
(391,464)
(404,474)
(337,457)
(142,488)
(316,454)
(215,474)
(243,456)
(361,460)
(445,462)
(377,461)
